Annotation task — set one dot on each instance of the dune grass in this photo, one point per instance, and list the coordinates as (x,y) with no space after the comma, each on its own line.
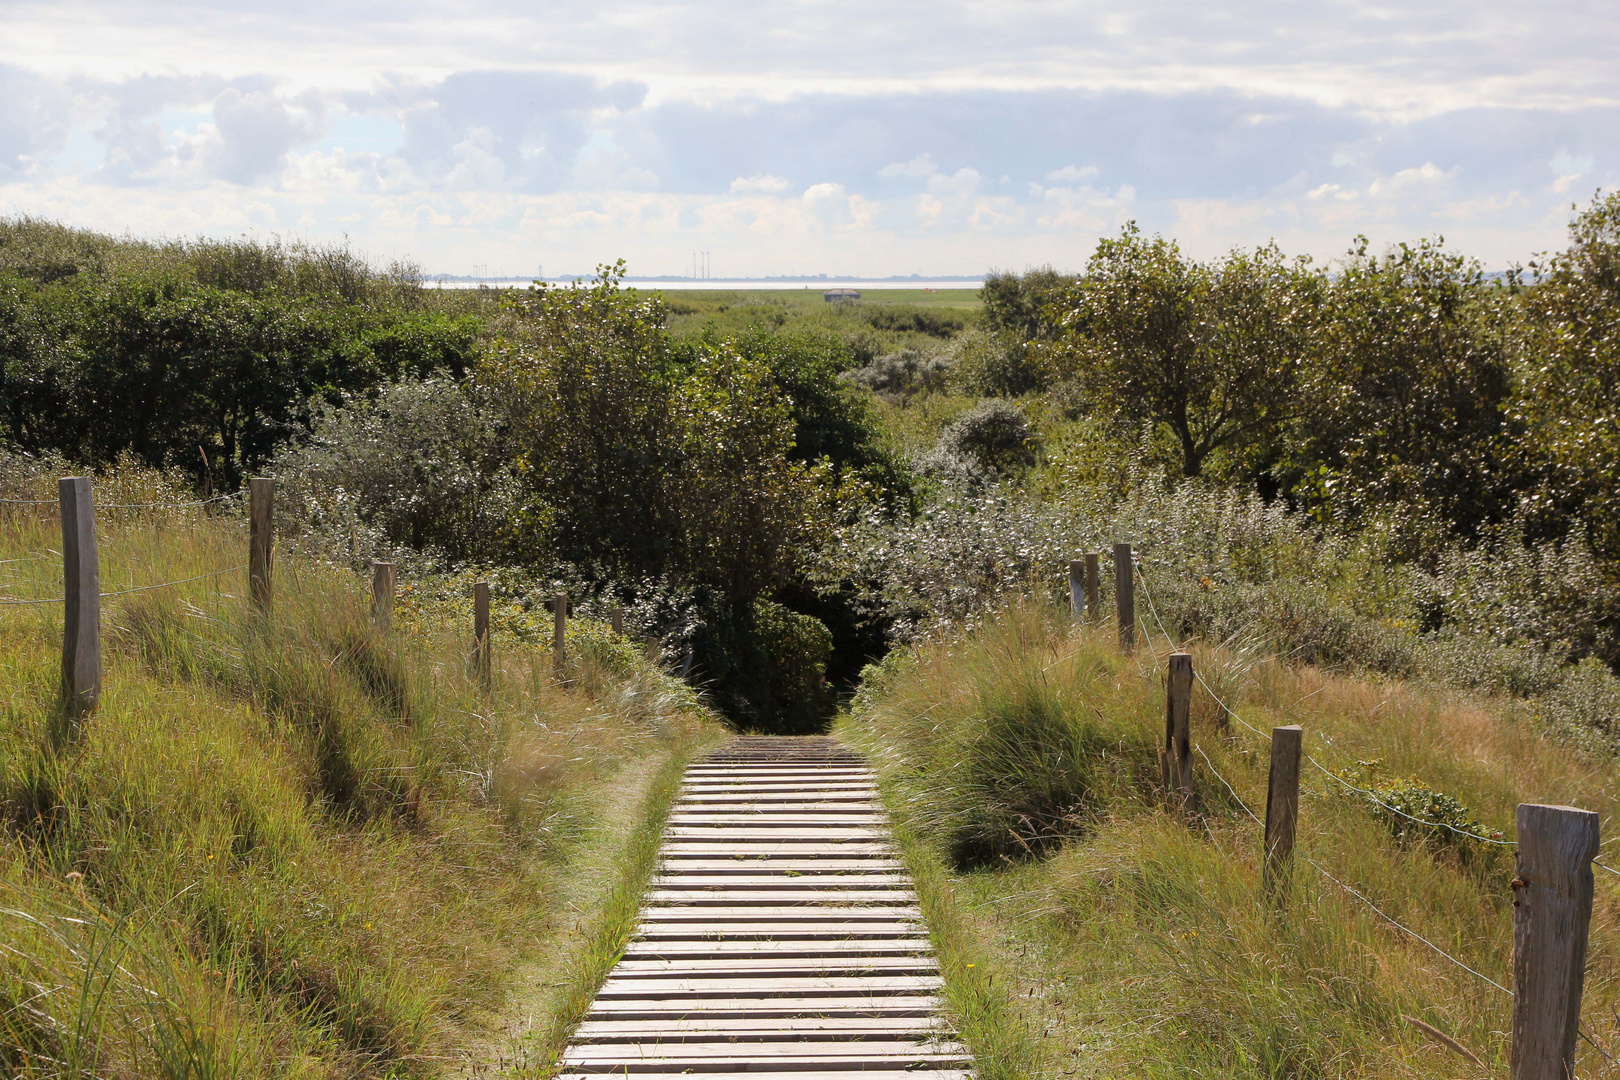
(1117,938)
(288,845)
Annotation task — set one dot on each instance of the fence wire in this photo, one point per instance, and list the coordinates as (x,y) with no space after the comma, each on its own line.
(1147,592)
(1152,609)
(126,592)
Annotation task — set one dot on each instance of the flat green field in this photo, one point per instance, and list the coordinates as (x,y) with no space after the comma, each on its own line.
(811,296)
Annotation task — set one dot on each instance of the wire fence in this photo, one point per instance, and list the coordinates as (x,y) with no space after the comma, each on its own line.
(231,496)
(134,506)
(1368,793)
(1380,912)
(127,592)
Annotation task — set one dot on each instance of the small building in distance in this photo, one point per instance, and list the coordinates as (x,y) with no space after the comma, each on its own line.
(841,294)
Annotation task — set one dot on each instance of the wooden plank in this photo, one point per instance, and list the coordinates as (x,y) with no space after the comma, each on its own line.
(784,930)
(771,966)
(718,897)
(600,1031)
(842,880)
(803,1074)
(861,1005)
(871,1050)
(795,849)
(784,865)
(807,986)
(744,836)
(700,949)
(784,819)
(767,913)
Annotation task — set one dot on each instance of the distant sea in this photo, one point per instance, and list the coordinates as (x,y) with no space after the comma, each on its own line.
(673,284)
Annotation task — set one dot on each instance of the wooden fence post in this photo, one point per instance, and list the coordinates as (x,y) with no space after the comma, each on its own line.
(1552,911)
(1176,757)
(1077,589)
(481,645)
(559,634)
(382,595)
(617,615)
(1093,586)
(1125,596)
(81,587)
(261,546)
(1282,810)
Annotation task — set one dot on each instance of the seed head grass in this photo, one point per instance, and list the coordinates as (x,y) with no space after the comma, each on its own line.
(1125,938)
(285,843)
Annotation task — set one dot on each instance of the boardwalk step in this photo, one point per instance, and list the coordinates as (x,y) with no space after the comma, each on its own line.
(780,938)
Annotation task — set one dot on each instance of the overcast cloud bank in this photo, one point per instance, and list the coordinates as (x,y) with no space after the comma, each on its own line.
(803,138)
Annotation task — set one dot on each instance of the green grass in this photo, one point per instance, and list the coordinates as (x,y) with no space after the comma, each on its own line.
(1122,940)
(291,845)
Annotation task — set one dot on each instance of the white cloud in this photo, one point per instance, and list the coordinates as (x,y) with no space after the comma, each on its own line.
(759,184)
(1072,174)
(639,129)
(918,168)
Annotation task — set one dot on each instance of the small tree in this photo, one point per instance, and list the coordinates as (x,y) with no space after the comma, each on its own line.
(1571,379)
(1407,396)
(1210,351)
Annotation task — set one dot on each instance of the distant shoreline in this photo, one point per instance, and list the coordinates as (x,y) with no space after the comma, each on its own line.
(446,281)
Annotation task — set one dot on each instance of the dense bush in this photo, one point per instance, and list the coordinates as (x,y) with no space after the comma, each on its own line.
(181,373)
(990,364)
(993,433)
(901,376)
(423,466)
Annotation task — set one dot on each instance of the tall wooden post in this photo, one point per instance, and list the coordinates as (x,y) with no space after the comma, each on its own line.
(617,616)
(1093,586)
(481,649)
(1125,596)
(81,588)
(1077,589)
(1176,758)
(1552,911)
(262,542)
(1282,810)
(382,595)
(559,634)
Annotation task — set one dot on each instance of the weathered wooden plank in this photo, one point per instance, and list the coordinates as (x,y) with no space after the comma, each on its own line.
(718,897)
(862,1005)
(768,913)
(694,949)
(717,1073)
(779,1028)
(807,986)
(843,879)
(771,966)
(782,931)
(784,865)
(752,839)
(796,849)
(869,1050)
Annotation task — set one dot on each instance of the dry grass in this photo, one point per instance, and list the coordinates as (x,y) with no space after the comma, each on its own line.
(293,845)
(1139,945)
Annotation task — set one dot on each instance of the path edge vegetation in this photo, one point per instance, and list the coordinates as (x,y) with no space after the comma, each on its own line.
(988,1020)
(615,920)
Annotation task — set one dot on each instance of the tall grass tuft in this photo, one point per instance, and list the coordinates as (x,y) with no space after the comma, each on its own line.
(1119,937)
(292,843)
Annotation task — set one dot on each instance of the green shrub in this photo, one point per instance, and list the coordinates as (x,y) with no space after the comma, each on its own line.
(987,363)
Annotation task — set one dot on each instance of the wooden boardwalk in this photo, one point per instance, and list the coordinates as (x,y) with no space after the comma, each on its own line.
(781,937)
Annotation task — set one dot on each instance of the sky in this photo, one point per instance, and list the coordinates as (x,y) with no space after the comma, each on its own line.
(811,136)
